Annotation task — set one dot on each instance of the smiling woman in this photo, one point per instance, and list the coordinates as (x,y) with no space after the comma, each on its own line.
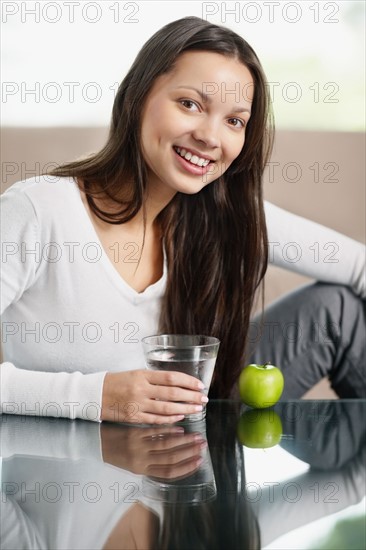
(152,116)
(179,179)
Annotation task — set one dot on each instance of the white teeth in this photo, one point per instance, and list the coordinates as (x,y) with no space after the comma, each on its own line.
(194,159)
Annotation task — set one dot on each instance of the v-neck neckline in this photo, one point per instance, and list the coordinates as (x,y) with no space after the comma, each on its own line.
(118,280)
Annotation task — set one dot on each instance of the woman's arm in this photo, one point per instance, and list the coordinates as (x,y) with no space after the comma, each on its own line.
(61,394)
(57,394)
(309,248)
(37,288)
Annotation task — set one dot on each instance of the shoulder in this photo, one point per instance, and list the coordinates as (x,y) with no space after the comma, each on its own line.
(41,196)
(42,188)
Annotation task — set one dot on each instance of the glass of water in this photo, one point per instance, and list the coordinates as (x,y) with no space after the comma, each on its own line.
(192,354)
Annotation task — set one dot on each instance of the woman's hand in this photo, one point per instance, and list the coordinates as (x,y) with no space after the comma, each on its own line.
(150,397)
(165,453)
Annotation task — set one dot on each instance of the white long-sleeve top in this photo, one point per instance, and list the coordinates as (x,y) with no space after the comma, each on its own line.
(67,315)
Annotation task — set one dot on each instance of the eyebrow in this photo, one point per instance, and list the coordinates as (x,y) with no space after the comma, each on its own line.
(205,98)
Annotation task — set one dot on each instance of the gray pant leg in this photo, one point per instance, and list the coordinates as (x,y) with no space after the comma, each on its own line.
(314,332)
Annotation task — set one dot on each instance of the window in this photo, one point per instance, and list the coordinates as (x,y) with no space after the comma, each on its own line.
(62,61)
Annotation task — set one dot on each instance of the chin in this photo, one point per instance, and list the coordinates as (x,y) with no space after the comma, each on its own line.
(193,190)
(191,187)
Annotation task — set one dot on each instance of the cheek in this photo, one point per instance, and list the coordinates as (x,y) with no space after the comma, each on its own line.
(240,142)
(234,147)
(159,127)
(152,119)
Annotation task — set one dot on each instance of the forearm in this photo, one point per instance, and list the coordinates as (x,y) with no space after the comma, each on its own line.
(309,248)
(53,394)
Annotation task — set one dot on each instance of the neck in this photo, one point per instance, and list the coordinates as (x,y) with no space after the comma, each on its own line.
(157,198)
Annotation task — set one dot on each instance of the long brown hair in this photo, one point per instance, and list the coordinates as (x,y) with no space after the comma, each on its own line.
(215,240)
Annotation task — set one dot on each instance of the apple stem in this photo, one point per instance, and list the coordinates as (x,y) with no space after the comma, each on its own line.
(265,364)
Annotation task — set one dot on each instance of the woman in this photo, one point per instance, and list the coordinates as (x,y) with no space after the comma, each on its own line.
(162,230)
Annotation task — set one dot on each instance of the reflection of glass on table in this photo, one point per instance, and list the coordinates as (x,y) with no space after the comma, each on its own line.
(195,488)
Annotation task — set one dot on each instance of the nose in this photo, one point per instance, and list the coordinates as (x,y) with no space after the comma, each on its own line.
(208,134)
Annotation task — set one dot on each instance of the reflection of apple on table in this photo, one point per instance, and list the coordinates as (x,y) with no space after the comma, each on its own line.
(260,428)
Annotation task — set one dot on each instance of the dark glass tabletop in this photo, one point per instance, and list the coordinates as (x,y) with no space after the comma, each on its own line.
(290,477)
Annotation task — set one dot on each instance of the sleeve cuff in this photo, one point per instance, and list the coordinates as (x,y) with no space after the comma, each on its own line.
(61,394)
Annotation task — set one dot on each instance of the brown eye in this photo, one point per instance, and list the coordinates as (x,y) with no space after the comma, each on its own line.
(189,104)
(237,122)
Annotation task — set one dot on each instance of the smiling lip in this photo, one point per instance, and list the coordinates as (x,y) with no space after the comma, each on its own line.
(189,167)
(194,152)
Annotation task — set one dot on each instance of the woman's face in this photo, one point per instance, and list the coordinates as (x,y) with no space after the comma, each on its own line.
(197,111)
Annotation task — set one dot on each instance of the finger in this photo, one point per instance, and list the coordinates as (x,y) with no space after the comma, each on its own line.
(168,408)
(156,419)
(173,393)
(174,378)
(178,471)
(156,412)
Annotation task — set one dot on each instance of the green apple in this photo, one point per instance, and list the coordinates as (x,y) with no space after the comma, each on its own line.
(260,429)
(260,386)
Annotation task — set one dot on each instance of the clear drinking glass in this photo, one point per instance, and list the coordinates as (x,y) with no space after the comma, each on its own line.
(192,354)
